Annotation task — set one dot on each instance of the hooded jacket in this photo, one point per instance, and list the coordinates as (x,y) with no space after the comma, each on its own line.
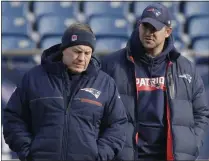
(150,82)
(186,112)
(45,119)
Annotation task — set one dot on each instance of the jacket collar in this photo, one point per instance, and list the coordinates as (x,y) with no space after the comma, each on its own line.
(51,61)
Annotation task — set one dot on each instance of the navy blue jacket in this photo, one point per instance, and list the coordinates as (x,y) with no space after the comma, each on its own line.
(40,122)
(150,82)
(187,112)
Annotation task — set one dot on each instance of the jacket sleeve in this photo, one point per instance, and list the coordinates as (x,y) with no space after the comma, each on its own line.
(113,137)
(15,121)
(200,109)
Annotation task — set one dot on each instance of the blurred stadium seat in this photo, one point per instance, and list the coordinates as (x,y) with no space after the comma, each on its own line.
(17,42)
(49,25)
(197,26)
(195,8)
(178,43)
(174,6)
(13,59)
(15,26)
(64,8)
(178,28)
(201,44)
(49,41)
(110,44)
(109,26)
(16,9)
(105,8)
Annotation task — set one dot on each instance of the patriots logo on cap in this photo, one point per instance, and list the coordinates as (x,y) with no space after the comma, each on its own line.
(151,9)
(74,37)
(155,11)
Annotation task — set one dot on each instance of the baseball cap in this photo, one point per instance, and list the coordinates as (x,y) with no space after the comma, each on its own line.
(157,15)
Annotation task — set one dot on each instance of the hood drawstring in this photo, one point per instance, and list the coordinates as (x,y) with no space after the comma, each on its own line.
(152,63)
(66,78)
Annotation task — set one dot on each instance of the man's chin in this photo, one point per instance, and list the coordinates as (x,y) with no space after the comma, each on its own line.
(148,46)
(76,71)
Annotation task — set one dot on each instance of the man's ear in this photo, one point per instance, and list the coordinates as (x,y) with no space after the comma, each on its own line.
(168,31)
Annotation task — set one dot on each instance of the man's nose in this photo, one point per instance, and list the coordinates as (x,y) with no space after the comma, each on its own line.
(81,57)
(149,30)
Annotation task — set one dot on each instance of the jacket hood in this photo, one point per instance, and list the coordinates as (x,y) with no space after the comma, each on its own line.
(51,60)
(51,55)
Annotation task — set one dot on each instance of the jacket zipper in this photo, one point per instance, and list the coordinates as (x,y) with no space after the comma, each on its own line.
(64,147)
(66,120)
(171,86)
(135,126)
(170,95)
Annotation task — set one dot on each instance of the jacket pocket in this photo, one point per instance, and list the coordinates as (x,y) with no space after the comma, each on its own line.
(195,141)
(29,157)
(182,112)
(96,124)
(83,143)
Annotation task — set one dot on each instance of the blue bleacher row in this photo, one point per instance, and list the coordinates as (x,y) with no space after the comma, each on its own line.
(27,25)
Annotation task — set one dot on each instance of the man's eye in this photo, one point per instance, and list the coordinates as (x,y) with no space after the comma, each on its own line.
(77,51)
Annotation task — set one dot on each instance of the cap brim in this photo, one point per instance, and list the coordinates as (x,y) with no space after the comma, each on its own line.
(156,24)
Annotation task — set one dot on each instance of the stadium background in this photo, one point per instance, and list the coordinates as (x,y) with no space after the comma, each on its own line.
(30,27)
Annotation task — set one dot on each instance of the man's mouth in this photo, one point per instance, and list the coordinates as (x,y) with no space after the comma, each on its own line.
(148,38)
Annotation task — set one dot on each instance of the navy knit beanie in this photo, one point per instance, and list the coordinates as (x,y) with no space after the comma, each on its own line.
(77,37)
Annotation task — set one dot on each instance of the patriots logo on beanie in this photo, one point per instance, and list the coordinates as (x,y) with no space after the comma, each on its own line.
(74,38)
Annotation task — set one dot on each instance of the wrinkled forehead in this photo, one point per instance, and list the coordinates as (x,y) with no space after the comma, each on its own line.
(82,48)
